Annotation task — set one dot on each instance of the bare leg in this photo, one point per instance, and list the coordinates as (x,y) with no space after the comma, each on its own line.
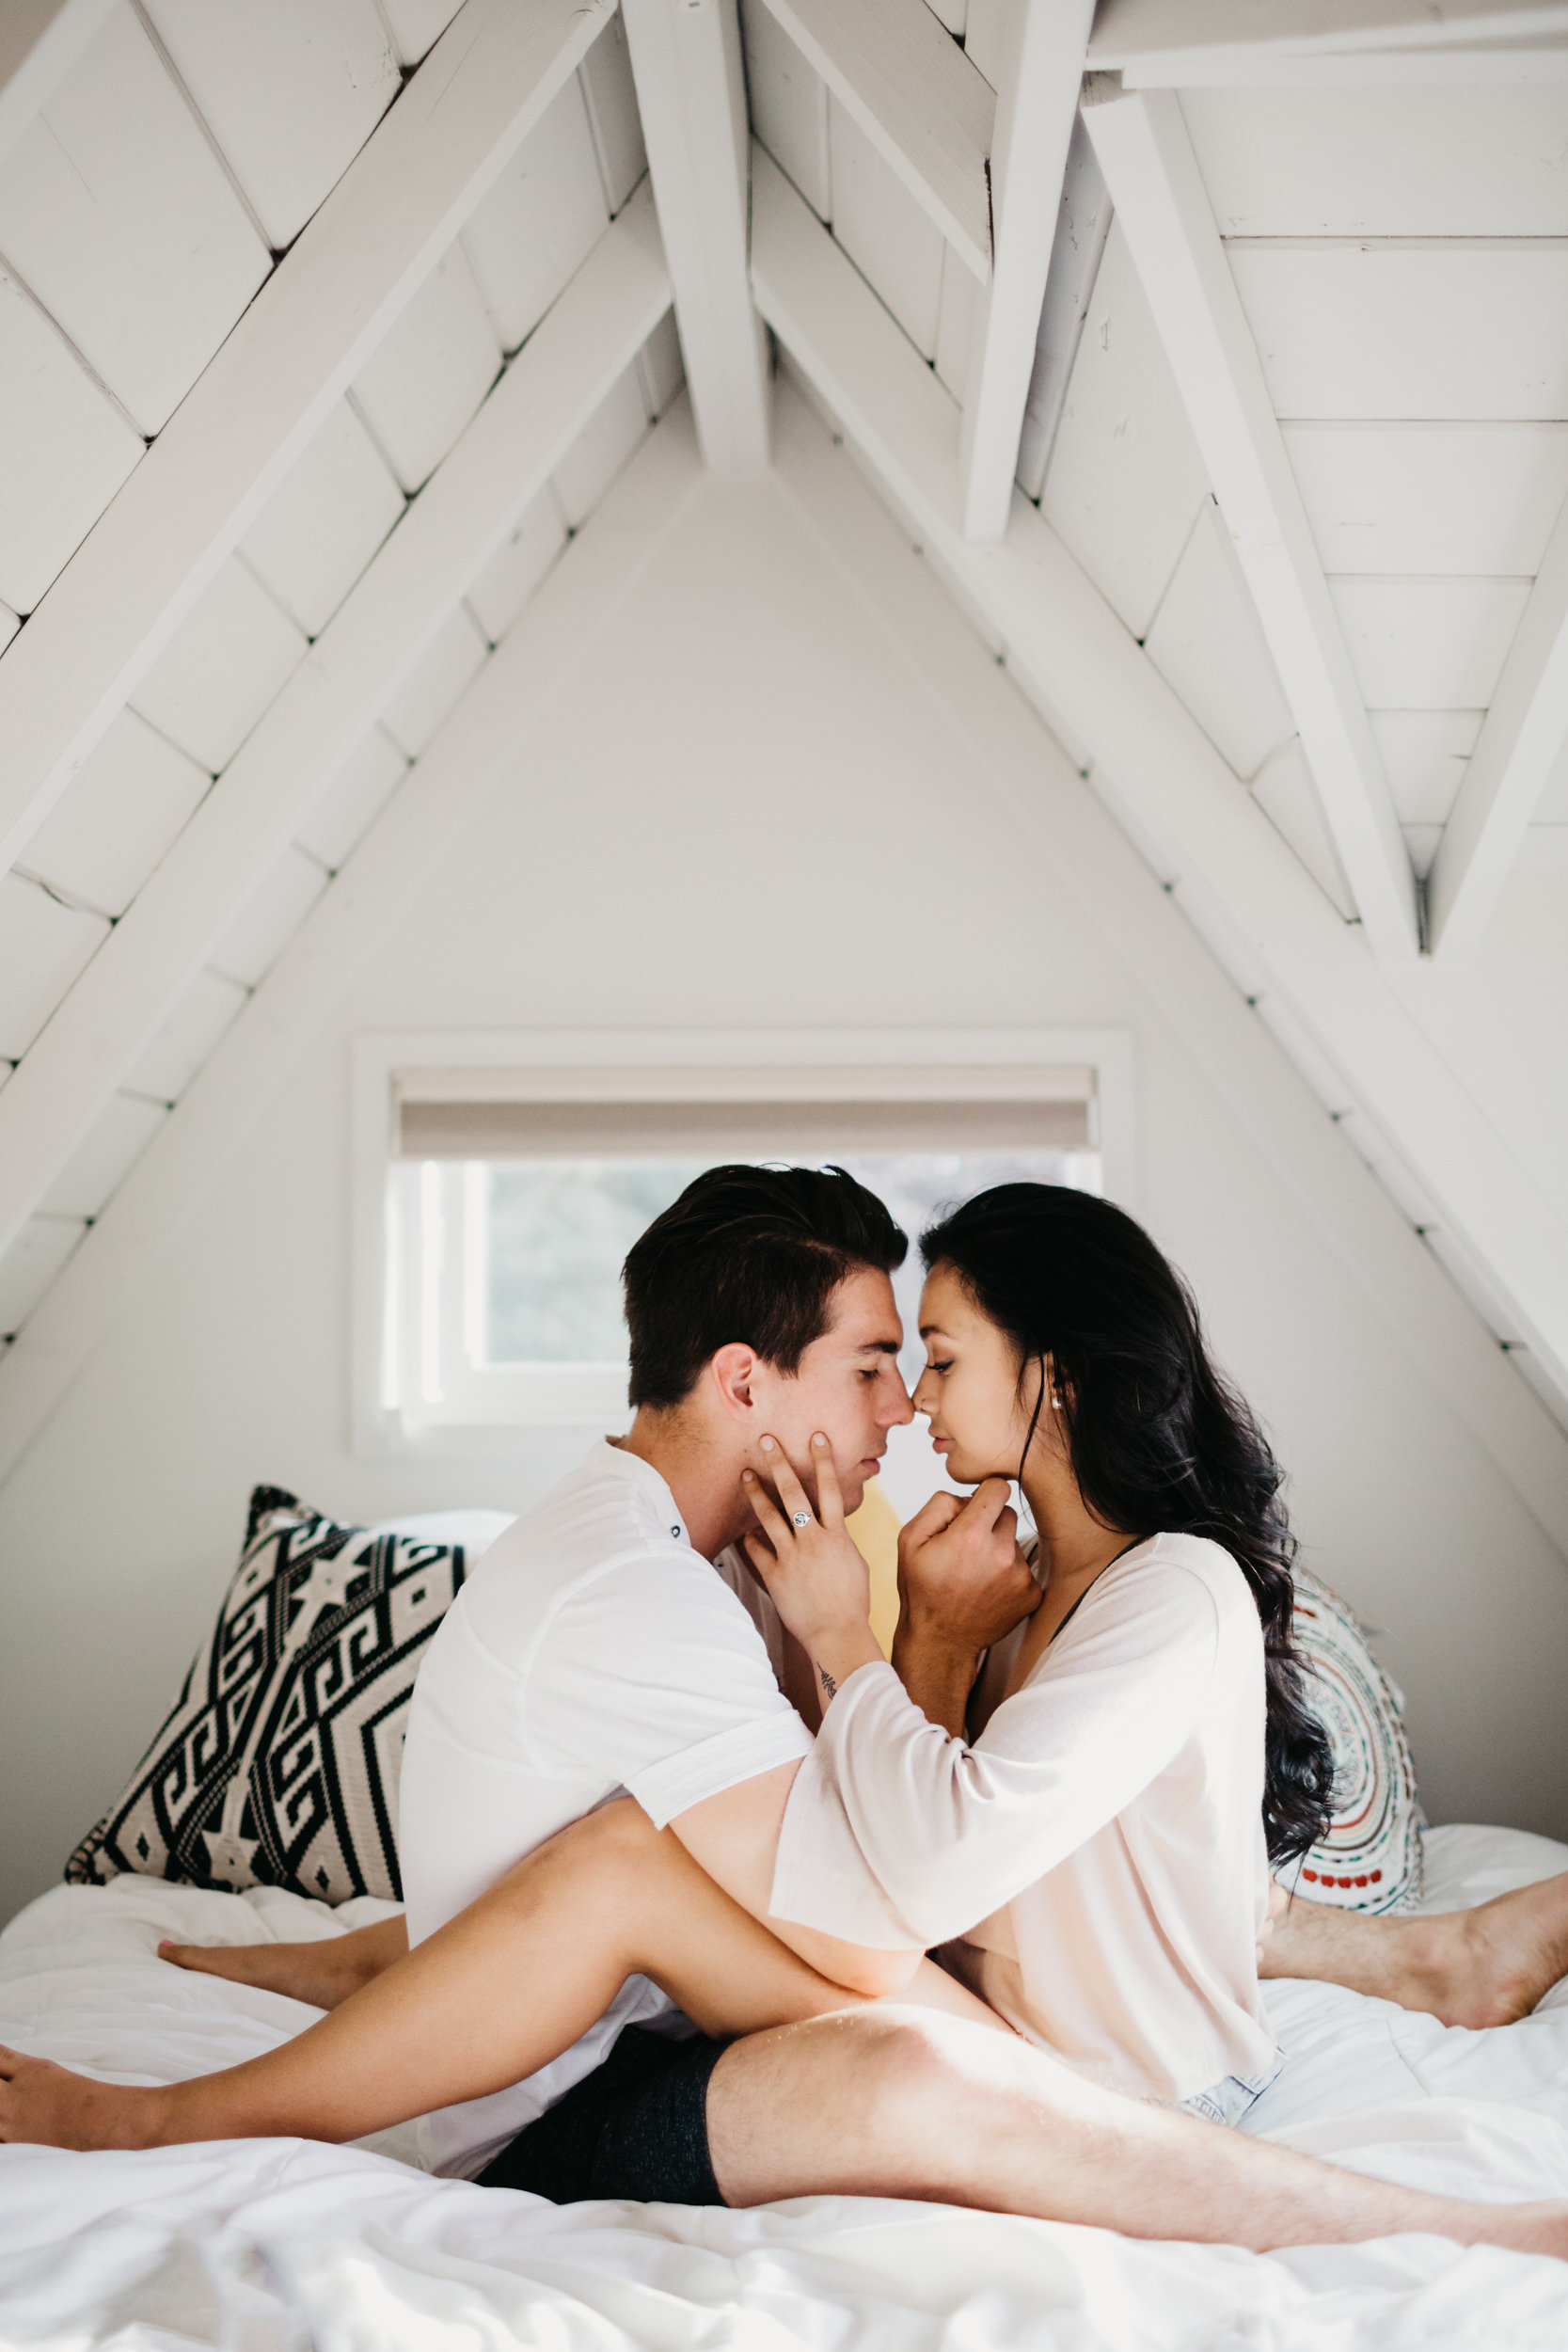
(891,2102)
(501,1991)
(1482,1968)
(324,1972)
(832,2092)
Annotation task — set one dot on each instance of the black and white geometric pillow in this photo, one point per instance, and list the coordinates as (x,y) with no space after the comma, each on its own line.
(279,1763)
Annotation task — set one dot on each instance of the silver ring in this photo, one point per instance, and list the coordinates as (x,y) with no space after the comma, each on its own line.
(799,1518)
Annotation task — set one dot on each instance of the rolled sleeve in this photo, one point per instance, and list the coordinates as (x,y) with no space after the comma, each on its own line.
(668,1787)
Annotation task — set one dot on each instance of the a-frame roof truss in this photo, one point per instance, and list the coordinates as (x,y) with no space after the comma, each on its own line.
(959,345)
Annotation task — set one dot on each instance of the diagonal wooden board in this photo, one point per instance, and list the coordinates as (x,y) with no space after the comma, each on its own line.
(313,323)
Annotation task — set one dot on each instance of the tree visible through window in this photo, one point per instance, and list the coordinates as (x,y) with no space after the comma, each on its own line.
(554,1232)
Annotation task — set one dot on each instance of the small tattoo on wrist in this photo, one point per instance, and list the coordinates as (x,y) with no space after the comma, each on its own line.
(827,1681)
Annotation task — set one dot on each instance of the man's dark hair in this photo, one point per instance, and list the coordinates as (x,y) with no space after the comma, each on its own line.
(752,1254)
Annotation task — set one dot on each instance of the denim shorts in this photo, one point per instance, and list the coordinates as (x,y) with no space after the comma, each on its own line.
(1228,2101)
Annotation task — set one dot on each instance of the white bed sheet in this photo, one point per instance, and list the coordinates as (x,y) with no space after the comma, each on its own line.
(275,2246)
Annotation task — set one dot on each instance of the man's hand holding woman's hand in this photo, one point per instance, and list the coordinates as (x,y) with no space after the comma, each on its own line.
(808,1561)
(962,1584)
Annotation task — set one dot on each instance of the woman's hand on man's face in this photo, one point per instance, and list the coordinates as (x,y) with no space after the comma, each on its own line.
(808,1561)
(962,1580)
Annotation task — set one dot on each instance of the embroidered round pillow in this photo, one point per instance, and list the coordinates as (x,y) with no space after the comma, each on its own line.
(1370,1858)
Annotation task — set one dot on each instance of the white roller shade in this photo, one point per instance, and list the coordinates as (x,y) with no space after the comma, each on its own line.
(717,1113)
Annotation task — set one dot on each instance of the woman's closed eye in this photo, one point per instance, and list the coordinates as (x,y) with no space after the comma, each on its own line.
(945,1366)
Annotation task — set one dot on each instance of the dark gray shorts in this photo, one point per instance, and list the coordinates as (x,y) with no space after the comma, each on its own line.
(635,2127)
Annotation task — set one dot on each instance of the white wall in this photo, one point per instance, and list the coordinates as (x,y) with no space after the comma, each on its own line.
(766,811)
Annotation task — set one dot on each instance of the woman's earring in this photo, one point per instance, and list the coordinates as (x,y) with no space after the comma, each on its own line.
(1055,1404)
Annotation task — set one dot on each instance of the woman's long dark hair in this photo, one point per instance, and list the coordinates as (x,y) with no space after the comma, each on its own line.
(1159,1442)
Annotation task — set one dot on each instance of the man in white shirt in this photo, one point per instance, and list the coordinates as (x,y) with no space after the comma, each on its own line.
(595,1652)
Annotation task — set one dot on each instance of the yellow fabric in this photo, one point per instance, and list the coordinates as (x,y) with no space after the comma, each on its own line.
(875,1528)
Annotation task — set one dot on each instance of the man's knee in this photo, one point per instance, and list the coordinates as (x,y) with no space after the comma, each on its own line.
(914,2070)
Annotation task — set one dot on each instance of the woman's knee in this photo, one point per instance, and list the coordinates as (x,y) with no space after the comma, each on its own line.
(617,1832)
(604,1849)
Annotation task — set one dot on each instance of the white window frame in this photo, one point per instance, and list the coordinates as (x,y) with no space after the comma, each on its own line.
(587,1066)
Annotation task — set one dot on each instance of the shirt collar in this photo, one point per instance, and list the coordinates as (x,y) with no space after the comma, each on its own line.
(606,1457)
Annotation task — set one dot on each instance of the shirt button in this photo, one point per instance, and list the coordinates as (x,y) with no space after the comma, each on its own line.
(674,1530)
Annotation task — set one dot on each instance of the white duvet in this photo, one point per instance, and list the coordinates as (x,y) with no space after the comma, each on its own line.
(284,2246)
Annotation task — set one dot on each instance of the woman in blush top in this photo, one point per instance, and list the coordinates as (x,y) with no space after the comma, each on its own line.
(1083,1819)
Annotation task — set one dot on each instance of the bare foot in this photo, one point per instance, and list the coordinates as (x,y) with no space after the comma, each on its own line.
(321,1973)
(1495,1961)
(47,2104)
(304,1971)
(1483,1967)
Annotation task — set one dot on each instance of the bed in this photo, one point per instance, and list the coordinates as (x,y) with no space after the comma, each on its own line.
(277,2246)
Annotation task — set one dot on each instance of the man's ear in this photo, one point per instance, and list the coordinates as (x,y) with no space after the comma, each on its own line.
(732,1372)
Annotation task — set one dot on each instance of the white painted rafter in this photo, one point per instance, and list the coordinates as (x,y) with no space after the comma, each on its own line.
(1083,225)
(686,60)
(1161,202)
(1521,739)
(1352,68)
(503,460)
(312,327)
(926,109)
(1170,44)
(540,660)
(1035,109)
(39,42)
(1350,1208)
(1225,858)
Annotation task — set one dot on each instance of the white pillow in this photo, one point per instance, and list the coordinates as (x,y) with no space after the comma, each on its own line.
(476,1531)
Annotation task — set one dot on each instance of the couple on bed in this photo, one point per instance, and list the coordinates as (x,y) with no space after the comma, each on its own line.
(981,1925)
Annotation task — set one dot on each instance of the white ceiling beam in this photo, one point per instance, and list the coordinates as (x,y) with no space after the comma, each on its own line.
(1351,68)
(1520,741)
(1224,857)
(1160,200)
(1352,1212)
(686,60)
(312,326)
(1083,225)
(1148,40)
(39,42)
(542,658)
(921,101)
(1036,107)
(579,350)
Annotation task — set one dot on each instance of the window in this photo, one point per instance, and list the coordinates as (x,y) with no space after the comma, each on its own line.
(509,1192)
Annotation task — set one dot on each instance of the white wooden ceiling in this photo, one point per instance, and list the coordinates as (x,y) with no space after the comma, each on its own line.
(141,209)
(1232,404)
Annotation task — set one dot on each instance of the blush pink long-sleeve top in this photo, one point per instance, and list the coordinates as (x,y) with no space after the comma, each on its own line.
(1092,1857)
